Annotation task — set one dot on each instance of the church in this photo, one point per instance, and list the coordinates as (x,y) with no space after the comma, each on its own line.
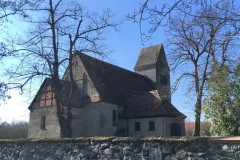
(112,101)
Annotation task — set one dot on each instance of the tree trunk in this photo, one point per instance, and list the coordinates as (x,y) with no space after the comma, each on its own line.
(236,131)
(66,129)
(198,109)
(63,115)
(62,109)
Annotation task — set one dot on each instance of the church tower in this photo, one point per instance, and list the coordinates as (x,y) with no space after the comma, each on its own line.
(152,62)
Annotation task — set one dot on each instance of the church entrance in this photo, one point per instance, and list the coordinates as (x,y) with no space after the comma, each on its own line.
(175,129)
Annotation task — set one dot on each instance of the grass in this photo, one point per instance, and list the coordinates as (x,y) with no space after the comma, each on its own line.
(111,139)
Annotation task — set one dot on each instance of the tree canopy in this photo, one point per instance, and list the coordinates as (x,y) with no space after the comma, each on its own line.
(222,105)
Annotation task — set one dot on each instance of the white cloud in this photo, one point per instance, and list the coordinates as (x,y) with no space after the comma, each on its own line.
(16,108)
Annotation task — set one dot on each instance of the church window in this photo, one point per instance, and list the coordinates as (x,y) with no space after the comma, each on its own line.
(137,126)
(151,126)
(43,122)
(114,117)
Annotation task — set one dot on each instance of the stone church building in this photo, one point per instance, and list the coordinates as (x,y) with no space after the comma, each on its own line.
(112,101)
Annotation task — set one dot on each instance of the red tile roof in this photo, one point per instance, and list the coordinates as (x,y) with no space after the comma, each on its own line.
(189,124)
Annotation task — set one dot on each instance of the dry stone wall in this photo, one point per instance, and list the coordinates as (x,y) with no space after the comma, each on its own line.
(116,148)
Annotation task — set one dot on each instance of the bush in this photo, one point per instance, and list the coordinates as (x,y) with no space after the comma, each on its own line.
(14,130)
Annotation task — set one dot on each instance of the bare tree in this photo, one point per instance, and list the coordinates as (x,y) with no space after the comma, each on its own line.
(11,8)
(199,32)
(8,9)
(4,91)
(199,41)
(157,13)
(13,130)
(59,27)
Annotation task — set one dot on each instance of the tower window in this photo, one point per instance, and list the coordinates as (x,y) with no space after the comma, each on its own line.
(151,126)
(137,126)
(163,79)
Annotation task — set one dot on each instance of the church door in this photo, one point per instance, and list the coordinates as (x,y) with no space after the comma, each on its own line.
(175,129)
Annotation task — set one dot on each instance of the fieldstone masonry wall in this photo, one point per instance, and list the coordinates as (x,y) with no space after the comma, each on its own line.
(116,148)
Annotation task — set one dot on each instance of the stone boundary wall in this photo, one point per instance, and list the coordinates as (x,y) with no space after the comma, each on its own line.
(117,148)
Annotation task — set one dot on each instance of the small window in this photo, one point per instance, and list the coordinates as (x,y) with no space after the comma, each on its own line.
(151,126)
(137,126)
(43,122)
(114,118)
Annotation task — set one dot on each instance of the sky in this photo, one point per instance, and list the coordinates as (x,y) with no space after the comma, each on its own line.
(126,44)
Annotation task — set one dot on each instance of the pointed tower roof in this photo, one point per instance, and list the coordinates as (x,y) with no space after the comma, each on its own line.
(149,56)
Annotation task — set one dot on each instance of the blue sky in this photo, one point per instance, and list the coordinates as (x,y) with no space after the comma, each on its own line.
(126,45)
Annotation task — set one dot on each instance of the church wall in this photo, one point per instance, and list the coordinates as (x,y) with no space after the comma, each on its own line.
(162,126)
(123,128)
(94,119)
(144,127)
(81,78)
(108,124)
(85,120)
(40,127)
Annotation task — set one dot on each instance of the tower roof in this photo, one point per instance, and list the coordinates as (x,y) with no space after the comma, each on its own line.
(149,56)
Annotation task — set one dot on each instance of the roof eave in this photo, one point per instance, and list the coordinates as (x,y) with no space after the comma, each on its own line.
(154,116)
